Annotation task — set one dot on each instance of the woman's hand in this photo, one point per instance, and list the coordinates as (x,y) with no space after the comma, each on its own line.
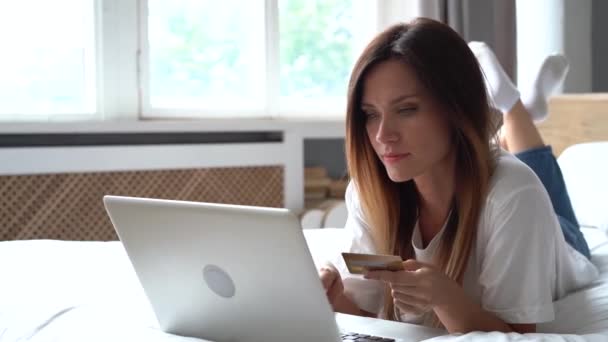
(332,283)
(423,287)
(334,288)
(420,288)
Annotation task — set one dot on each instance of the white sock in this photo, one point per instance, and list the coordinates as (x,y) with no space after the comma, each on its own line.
(499,85)
(550,76)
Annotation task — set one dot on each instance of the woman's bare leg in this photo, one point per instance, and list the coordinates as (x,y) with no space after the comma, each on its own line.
(519,133)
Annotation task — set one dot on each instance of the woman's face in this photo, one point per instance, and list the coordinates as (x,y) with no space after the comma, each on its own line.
(403,121)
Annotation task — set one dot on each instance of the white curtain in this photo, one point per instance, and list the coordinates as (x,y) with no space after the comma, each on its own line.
(521,32)
(565,28)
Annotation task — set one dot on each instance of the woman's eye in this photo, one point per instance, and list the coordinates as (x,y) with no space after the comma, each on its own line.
(370,116)
(407,110)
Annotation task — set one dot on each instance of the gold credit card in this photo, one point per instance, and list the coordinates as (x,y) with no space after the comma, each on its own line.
(359,263)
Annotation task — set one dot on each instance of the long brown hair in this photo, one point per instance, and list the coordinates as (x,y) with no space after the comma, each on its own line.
(447,68)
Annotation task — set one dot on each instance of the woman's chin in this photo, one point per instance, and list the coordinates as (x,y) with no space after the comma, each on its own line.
(398,177)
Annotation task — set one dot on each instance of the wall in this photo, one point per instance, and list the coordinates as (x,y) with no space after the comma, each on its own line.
(577,45)
(328,153)
(599,47)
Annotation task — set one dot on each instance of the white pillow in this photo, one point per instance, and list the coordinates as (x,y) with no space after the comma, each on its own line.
(585,169)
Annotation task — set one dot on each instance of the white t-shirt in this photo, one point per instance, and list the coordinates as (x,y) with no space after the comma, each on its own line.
(520,262)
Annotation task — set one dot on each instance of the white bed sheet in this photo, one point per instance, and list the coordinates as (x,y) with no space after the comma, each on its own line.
(88,291)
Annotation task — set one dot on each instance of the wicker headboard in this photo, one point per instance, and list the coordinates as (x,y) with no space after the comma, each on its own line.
(575,119)
(68,206)
(57,192)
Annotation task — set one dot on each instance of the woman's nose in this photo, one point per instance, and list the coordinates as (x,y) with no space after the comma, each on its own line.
(386,132)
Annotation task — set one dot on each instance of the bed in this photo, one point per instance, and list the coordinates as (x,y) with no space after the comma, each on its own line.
(55,290)
(88,291)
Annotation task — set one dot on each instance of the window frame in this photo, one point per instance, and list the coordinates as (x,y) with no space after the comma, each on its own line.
(121,75)
(272,105)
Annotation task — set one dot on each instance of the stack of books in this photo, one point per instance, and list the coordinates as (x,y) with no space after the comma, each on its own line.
(337,188)
(316,186)
(320,188)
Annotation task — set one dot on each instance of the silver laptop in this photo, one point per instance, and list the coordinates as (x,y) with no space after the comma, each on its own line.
(224,272)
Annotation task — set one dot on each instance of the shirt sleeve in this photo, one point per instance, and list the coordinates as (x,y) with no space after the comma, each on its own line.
(518,263)
(367,294)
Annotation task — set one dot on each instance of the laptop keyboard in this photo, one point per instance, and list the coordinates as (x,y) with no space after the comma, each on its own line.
(364,338)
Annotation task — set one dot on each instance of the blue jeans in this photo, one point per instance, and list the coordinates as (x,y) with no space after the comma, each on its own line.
(543,163)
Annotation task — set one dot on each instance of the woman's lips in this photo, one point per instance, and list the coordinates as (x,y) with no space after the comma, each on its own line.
(394,157)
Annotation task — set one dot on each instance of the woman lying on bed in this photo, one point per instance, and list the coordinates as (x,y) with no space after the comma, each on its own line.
(489,237)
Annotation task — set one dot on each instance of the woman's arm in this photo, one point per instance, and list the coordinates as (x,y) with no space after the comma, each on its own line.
(461,314)
(421,288)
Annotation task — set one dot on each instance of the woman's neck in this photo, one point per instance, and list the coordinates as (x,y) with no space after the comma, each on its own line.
(436,193)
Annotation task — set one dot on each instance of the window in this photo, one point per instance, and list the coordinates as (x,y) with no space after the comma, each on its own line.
(133,59)
(48,59)
(206,55)
(252,58)
(319,42)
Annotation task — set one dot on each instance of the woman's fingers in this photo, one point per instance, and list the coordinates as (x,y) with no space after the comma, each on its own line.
(332,283)
(396,277)
(335,292)
(327,277)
